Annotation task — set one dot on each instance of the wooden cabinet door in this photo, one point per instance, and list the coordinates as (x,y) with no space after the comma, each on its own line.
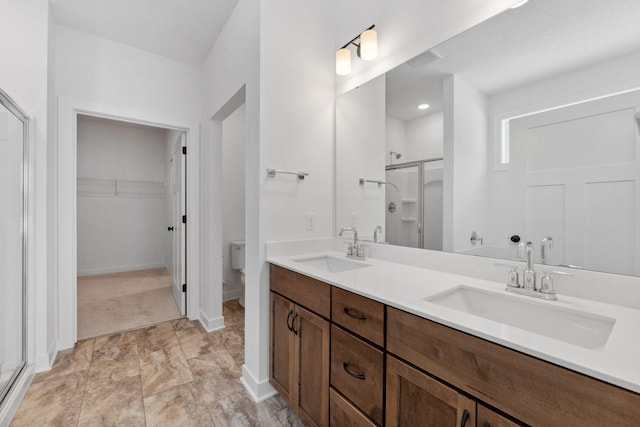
(312,360)
(416,399)
(490,418)
(282,348)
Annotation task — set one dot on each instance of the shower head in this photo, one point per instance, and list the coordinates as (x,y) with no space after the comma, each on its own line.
(393,153)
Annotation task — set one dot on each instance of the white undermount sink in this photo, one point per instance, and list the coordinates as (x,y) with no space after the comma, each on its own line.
(571,326)
(332,264)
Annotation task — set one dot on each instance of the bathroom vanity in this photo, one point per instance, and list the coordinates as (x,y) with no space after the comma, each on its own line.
(377,343)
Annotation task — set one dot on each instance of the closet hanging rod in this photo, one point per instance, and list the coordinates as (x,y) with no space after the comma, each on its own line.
(271,173)
(374,181)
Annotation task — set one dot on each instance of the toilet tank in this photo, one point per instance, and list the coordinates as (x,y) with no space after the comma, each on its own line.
(237,254)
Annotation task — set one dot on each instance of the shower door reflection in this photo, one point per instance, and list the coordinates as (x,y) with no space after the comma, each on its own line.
(413,197)
(12,210)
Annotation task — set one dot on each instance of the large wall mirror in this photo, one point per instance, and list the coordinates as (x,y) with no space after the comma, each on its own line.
(13,143)
(523,128)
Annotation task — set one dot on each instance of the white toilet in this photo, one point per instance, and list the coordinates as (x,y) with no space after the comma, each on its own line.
(237,262)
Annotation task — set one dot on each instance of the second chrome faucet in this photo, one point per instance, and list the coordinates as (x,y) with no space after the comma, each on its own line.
(355,249)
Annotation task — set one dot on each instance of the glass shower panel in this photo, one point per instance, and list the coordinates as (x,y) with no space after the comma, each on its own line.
(432,200)
(12,357)
(403,210)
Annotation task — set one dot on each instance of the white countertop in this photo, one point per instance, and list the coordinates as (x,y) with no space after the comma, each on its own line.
(405,287)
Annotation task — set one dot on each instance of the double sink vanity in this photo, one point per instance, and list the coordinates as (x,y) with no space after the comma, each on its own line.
(372,342)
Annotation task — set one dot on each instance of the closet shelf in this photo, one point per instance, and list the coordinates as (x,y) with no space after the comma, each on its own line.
(92,187)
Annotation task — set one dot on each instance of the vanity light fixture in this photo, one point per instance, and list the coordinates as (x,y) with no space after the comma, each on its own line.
(423,106)
(367,50)
(520,3)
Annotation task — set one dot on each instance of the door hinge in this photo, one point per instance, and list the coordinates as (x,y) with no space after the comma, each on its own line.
(184,150)
(184,219)
(184,287)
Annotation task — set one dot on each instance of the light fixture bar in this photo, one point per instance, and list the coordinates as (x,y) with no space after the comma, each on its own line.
(356,38)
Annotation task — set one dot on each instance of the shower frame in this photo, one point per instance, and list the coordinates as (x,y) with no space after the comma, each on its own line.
(7,102)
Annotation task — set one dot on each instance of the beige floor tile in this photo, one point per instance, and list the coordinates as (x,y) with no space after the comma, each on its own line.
(195,341)
(156,337)
(54,402)
(238,410)
(216,375)
(180,406)
(113,403)
(113,362)
(69,361)
(163,369)
(126,337)
(288,418)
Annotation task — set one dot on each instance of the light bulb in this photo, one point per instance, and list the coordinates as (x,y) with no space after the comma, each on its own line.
(343,61)
(368,45)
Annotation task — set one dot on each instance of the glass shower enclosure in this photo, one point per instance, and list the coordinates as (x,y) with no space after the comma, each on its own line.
(413,215)
(13,173)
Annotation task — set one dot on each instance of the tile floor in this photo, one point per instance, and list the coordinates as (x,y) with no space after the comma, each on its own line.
(170,374)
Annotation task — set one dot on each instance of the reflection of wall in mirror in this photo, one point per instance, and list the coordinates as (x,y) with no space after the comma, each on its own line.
(417,139)
(601,79)
(360,153)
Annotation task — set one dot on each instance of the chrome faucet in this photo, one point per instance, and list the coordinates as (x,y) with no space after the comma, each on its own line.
(528,275)
(529,286)
(376,230)
(354,250)
(546,243)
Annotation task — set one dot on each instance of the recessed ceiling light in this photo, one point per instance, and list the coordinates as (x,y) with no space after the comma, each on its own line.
(423,106)
(520,3)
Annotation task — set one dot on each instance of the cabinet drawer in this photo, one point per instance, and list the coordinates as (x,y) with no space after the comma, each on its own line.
(357,372)
(359,315)
(529,389)
(307,292)
(343,413)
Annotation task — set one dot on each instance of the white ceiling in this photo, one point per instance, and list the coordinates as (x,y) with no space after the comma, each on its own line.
(536,41)
(184,30)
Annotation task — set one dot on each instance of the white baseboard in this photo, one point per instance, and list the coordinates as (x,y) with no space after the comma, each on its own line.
(120,269)
(12,401)
(44,362)
(258,390)
(211,325)
(232,293)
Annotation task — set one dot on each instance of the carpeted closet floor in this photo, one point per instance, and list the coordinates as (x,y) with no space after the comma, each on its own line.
(121,301)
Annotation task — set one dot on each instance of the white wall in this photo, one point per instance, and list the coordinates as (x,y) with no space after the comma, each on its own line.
(120,232)
(233,201)
(396,139)
(424,137)
(360,153)
(465,164)
(102,77)
(231,77)
(23,75)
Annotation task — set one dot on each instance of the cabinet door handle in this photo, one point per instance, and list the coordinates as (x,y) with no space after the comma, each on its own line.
(289,317)
(465,418)
(293,321)
(350,313)
(486,424)
(345,366)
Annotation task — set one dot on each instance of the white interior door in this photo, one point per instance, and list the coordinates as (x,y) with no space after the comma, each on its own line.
(178,226)
(575,176)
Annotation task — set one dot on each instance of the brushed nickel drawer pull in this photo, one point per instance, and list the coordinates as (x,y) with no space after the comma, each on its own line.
(345,366)
(350,313)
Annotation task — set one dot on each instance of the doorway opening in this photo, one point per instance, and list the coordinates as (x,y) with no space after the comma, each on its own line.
(131,225)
